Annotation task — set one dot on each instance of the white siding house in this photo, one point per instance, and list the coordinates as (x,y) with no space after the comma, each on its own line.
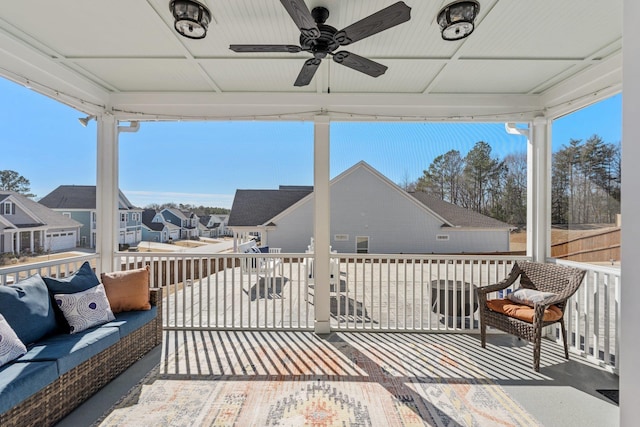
(369,213)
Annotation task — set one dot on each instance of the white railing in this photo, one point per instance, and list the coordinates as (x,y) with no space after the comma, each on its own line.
(370,292)
(413,292)
(48,267)
(404,293)
(218,291)
(592,316)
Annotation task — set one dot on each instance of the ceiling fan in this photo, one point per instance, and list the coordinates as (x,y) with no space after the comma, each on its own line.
(321,40)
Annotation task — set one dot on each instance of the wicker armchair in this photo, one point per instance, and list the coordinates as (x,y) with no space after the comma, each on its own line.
(560,280)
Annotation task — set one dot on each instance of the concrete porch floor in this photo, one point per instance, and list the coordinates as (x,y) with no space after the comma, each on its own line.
(563,393)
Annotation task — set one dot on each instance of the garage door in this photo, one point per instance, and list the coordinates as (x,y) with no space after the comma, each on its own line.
(130,238)
(61,241)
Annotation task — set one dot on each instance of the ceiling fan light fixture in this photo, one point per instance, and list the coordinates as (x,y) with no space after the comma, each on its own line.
(191,18)
(456,19)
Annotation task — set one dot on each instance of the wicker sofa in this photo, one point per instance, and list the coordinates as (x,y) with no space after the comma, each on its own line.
(62,370)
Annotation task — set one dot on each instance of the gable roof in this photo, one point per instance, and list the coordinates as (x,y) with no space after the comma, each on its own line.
(457,215)
(42,215)
(78,197)
(147,220)
(257,207)
(260,207)
(175,212)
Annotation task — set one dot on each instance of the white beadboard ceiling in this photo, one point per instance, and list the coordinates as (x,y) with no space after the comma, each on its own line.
(525,58)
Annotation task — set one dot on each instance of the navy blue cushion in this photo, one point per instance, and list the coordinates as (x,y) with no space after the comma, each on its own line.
(79,281)
(27,307)
(19,381)
(129,321)
(264,249)
(70,350)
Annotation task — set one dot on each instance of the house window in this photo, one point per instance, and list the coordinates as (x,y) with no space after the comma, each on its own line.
(442,237)
(123,217)
(67,214)
(341,237)
(9,208)
(362,244)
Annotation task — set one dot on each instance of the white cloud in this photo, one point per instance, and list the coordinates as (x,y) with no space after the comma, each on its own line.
(143,198)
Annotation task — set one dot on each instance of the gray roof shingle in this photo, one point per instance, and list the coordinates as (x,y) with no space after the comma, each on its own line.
(47,216)
(256,207)
(456,215)
(76,197)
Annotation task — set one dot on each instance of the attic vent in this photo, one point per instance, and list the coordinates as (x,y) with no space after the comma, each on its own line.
(442,237)
(341,237)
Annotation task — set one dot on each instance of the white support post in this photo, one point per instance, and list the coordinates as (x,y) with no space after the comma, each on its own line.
(322,224)
(630,207)
(107,220)
(539,190)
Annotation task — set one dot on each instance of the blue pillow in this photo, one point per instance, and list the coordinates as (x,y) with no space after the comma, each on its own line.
(264,249)
(27,307)
(79,281)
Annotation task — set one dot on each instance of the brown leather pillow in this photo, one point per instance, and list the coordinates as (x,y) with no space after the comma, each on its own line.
(127,290)
(521,311)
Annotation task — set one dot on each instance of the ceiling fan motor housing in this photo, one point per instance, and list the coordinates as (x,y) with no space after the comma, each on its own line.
(326,42)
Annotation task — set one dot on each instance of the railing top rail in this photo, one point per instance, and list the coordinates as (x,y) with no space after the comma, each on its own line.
(587,266)
(452,257)
(43,264)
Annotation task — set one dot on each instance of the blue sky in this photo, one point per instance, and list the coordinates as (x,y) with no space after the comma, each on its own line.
(203,163)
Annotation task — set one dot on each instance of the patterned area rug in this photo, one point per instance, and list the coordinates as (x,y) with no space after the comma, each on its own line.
(375,393)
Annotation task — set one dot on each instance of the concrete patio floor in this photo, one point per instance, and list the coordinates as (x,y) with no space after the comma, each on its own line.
(563,393)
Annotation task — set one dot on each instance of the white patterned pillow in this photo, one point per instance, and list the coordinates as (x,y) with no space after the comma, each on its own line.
(529,297)
(85,309)
(10,345)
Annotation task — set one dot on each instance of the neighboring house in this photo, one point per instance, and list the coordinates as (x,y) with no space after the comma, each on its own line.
(27,226)
(154,228)
(187,221)
(79,203)
(210,226)
(369,214)
(223,229)
(252,210)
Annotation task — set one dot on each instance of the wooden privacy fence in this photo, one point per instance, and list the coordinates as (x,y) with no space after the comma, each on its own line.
(600,247)
(170,271)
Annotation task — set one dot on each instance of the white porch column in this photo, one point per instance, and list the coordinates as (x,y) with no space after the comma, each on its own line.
(539,190)
(107,221)
(630,206)
(322,223)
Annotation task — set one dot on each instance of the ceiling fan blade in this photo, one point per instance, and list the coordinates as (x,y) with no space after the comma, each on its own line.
(383,19)
(308,70)
(300,14)
(289,48)
(359,63)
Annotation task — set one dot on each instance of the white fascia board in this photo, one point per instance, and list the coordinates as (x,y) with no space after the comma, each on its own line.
(28,65)
(585,88)
(339,107)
